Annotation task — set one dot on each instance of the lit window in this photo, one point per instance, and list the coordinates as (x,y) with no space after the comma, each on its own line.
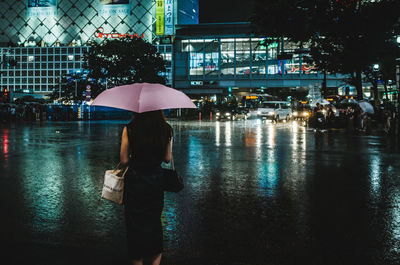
(70,57)
(30,58)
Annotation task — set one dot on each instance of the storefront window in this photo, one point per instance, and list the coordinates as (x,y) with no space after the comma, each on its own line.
(211,57)
(196,60)
(259,53)
(274,66)
(243,56)
(227,56)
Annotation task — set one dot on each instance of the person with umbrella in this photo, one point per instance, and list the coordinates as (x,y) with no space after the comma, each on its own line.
(146,143)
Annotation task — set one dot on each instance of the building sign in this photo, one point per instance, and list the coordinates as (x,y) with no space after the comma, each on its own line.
(196,83)
(42,8)
(168,17)
(99,33)
(160,17)
(114,7)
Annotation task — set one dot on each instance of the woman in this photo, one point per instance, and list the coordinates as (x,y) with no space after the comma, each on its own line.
(146,142)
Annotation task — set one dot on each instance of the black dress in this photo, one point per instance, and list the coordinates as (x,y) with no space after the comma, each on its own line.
(144,202)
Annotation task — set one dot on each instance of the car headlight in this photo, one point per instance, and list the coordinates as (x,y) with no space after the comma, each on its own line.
(295,113)
(217,113)
(306,114)
(258,112)
(272,112)
(227,114)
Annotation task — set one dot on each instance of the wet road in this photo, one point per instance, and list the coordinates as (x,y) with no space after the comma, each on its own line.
(256,193)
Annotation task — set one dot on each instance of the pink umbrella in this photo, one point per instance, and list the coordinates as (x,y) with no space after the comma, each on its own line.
(142,97)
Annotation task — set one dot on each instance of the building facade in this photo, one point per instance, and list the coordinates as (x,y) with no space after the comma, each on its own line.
(216,58)
(48,38)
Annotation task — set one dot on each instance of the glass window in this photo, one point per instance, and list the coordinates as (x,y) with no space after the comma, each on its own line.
(63,65)
(196,60)
(57,50)
(211,57)
(64,50)
(227,56)
(259,55)
(50,58)
(17,73)
(11,73)
(17,80)
(57,65)
(30,50)
(24,51)
(50,65)
(242,56)
(37,65)
(50,72)
(30,80)
(64,58)
(37,58)
(44,58)
(70,65)
(37,80)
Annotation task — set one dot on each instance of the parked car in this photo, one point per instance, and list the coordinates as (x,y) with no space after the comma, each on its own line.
(275,110)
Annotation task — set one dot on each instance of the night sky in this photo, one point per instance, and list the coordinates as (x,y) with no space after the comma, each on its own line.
(218,11)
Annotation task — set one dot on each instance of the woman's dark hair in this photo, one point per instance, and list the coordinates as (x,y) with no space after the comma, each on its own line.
(149,134)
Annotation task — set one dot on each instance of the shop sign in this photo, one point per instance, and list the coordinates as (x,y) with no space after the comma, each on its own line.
(99,33)
(168,14)
(160,17)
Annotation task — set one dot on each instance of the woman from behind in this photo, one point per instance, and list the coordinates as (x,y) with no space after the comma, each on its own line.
(146,143)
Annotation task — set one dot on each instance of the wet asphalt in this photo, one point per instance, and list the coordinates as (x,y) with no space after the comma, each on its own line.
(255,193)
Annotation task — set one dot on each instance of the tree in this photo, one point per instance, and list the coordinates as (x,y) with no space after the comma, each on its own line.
(124,61)
(345,36)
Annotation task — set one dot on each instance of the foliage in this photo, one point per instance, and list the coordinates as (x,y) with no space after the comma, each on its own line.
(345,36)
(124,61)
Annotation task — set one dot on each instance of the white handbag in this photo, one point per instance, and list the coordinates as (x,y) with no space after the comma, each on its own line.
(113,187)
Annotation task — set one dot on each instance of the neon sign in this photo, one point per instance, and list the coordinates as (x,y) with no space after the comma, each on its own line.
(99,33)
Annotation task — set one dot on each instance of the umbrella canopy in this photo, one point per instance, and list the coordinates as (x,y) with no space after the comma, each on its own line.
(366,107)
(143,97)
(349,100)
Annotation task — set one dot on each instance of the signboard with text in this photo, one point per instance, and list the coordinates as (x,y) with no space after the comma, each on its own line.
(160,17)
(44,8)
(114,7)
(168,17)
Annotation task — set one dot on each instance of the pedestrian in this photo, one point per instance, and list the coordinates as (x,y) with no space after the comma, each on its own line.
(146,143)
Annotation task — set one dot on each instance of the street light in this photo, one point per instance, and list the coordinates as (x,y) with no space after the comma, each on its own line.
(376,67)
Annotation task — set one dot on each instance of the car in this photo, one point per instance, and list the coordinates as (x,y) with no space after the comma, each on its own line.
(302,112)
(275,110)
(232,113)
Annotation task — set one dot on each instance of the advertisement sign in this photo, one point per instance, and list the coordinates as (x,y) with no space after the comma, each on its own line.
(42,8)
(160,17)
(168,17)
(114,7)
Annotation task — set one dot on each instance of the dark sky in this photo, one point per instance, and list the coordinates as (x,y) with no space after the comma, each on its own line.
(218,11)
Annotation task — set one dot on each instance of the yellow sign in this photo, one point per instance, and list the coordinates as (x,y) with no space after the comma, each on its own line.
(160,17)
(251,97)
